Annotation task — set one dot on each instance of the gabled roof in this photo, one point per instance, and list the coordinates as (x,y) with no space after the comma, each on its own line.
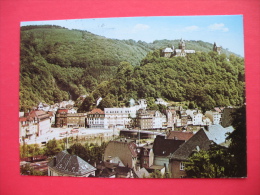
(168,50)
(122,170)
(165,147)
(70,164)
(179,135)
(96,111)
(198,141)
(218,134)
(122,145)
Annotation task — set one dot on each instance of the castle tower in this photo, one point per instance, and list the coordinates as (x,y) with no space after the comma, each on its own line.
(216,48)
(182,44)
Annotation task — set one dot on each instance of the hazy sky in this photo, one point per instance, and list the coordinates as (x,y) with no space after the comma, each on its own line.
(226,31)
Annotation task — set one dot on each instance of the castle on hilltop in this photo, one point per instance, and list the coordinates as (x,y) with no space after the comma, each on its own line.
(216,48)
(182,51)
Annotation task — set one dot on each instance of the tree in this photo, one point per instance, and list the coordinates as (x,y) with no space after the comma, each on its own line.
(238,142)
(28,170)
(156,174)
(53,147)
(87,104)
(80,150)
(214,163)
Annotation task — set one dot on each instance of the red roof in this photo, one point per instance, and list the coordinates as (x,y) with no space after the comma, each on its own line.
(179,135)
(97,110)
(62,110)
(22,119)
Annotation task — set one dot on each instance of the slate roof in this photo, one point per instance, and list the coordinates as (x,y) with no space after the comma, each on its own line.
(117,160)
(122,170)
(70,164)
(165,147)
(197,141)
(180,135)
(217,133)
(168,50)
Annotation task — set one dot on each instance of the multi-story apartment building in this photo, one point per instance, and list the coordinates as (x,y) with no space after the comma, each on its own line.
(119,117)
(95,119)
(76,119)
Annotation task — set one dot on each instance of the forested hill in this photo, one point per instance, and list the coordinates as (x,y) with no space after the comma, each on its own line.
(205,80)
(57,62)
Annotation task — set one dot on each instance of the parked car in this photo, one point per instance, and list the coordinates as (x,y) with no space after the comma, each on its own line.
(74,131)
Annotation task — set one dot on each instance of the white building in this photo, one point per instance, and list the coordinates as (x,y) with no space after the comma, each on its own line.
(95,118)
(161,101)
(196,115)
(142,104)
(214,116)
(119,117)
(159,120)
(72,111)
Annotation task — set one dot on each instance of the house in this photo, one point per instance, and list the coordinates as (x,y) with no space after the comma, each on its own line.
(163,148)
(76,119)
(214,116)
(61,118)
(42,119)
(113,168)
(171,118)
(124,149)
(146,156)
(144,119)
(196,116)
(161,101)
(66,164)
(206,121)
(141,173)
(180,135)
(197,142)
(95,118)
(151,119)
(72,111)
(43,106)
(28,128)
(142,104)
(168,52)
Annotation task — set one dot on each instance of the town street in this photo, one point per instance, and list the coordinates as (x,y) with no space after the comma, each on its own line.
(60,133)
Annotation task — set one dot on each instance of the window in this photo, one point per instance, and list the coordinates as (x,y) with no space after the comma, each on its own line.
(182,166)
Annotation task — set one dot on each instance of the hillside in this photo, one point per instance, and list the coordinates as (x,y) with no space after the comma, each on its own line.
(205,80)
(57,62)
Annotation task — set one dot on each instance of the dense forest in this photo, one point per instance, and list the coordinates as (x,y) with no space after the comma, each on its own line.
(56,63)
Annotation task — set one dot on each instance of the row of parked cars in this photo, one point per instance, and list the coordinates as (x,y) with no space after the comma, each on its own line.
(72,131)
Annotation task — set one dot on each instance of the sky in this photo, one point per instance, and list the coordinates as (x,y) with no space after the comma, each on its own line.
(225,30)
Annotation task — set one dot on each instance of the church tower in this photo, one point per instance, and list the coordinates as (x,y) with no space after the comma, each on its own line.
(181,44)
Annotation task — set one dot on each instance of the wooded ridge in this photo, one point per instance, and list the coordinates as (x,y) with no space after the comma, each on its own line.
(57,62)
